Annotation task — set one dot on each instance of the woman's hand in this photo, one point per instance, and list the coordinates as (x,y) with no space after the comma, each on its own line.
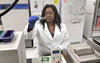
(32,20)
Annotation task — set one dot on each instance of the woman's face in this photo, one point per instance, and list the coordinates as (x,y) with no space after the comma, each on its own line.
(49,15)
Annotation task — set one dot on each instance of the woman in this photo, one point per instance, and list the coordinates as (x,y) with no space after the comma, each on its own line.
(51,33)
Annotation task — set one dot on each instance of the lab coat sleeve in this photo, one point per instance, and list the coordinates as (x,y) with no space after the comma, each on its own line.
(65,43)
(32,33)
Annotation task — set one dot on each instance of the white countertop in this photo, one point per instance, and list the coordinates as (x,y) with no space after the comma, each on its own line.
(13,45)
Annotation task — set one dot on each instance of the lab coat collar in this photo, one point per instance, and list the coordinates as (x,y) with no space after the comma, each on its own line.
(57,30)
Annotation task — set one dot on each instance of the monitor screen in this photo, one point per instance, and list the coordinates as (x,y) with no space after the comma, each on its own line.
(96,25)
(55,51)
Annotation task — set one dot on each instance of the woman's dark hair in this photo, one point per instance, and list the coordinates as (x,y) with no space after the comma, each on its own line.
(57,19)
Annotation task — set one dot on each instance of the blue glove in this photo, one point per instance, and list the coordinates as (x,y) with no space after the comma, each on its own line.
(32,21)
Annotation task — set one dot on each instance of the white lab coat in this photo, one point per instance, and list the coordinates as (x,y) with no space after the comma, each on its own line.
(46,41)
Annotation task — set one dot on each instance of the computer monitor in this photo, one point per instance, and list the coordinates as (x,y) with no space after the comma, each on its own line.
(96,24)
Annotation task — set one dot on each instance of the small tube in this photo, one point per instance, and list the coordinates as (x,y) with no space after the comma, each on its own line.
(42,18)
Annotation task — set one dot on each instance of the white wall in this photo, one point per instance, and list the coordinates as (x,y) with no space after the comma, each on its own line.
(16,19)
(10,1)
(41,4)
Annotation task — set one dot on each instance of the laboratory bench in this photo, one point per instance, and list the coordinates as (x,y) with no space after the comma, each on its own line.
(14,51)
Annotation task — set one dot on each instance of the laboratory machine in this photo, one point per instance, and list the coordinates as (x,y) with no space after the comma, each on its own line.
(14,51)
(82,53)
(55,57)
(88,52)
(12,45)
(73,15)
(92,24)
